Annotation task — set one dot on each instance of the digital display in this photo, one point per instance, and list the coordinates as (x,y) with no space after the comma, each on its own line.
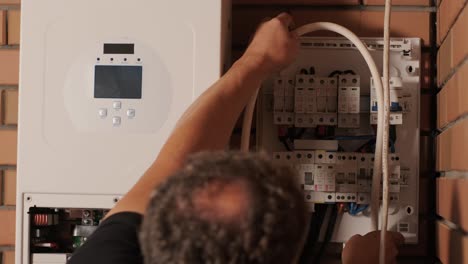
(117,82)
(116,48)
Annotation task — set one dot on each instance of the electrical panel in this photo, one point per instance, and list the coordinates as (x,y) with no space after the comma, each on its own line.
(320,115)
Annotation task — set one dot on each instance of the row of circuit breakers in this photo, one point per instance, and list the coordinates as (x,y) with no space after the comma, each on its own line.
(310,101)
(329,177)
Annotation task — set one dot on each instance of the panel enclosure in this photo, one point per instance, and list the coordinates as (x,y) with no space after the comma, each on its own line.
(327,94)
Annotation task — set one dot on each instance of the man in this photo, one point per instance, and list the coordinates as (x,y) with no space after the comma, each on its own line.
(218,207)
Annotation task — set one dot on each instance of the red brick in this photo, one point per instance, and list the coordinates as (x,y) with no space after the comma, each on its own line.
(460,38)
(453,98)
(446,15)
(8,142)
(11,107)
(9,179)
(403,24)
(7,232)
(452,246)
(9,66)
(2,27)
(452,148)
(399,2)
(14,27)
(1,107)
(297,2)
(445,60)
(8,257)
(350,18)
(452,200)
(454,49)
(9,2)
(245,21)
(1,188)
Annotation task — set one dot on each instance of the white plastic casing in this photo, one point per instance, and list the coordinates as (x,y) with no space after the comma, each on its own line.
(64,146)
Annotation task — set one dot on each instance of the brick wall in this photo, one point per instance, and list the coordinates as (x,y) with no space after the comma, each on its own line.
(452,142)
(9,66)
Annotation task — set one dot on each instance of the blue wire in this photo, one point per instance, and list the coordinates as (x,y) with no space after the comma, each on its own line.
(355,209)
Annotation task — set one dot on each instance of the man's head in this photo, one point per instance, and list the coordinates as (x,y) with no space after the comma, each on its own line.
(225,208)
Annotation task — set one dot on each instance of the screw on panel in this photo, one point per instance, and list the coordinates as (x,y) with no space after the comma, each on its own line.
(116,200)
(28,198)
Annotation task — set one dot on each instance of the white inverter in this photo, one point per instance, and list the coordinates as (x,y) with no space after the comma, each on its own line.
(102,84)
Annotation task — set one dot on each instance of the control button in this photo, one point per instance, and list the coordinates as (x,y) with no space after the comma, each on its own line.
(117,105)
(131,113)
(102,112)
(116,121)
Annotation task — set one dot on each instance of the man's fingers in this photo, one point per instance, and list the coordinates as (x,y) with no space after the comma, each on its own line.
(353,239)
(398,238)
(286,19)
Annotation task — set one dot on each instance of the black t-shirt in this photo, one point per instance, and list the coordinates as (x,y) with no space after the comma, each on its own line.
(114,242)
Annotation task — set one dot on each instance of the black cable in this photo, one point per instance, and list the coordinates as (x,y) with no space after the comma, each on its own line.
(335,73)
(349,72)
(328,233)
(286,143)
(316,223)
(312,70)
(298,135)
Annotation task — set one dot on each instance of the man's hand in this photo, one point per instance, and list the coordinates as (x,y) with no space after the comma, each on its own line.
(273,46)
(365,249)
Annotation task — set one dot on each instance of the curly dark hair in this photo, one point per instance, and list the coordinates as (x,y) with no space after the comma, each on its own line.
(226,207)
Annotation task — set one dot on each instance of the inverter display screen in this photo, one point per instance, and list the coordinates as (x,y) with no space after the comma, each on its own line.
(124,82)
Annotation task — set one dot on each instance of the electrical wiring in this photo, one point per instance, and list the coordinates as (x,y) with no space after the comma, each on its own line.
(248,115)
(247,122)
(328,232)
(385,172)
(355,209)
(378,162)
(316,223)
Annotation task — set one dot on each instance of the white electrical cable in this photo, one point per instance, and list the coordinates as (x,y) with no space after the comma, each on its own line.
(247,123)
(386,86)
(383,116)
(248,115)
(375,204)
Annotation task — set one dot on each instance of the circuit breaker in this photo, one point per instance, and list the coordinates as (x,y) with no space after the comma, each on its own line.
(323,121)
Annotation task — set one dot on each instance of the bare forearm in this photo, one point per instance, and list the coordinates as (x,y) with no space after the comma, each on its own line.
(206,125)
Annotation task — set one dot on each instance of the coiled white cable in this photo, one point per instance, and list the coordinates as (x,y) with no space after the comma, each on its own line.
(247,122)
(248,115)
(386,87)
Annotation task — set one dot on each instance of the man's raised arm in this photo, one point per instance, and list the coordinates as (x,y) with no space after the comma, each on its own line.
(208,123)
